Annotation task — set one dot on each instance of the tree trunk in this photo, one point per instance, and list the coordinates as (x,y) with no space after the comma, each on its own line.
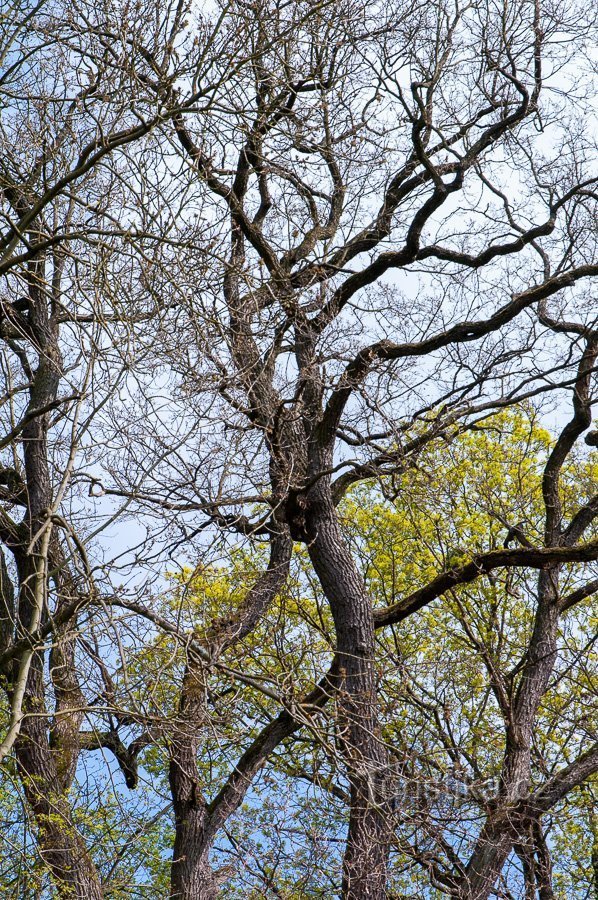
(501,830)
(61,847)
(191,876)
(366,856)
(493,847)
(44,780)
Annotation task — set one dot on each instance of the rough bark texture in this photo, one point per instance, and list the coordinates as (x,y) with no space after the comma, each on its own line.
(366,856)
(61,847)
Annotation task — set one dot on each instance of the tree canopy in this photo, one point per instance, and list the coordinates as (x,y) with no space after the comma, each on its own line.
(298,484)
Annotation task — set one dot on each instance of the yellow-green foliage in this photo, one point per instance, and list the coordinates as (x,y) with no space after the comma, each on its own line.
(440,714)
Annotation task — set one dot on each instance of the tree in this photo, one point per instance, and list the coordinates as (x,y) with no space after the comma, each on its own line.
(329,238)
(68,102)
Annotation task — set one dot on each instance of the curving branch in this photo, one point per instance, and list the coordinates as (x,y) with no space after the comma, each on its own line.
(483,564)
(463,332)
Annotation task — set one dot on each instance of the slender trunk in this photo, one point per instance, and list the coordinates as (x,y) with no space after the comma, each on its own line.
(366,856)
(192,877)
(45,782)
(594,850)
(544,864)
(61,847)
(69,700)
(500,832)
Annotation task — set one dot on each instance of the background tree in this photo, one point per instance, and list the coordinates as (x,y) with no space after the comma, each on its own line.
(69,102)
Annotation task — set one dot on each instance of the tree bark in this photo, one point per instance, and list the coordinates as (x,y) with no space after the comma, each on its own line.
(44,779)
(191,876)
(501,830)
(61,847)
(366,857)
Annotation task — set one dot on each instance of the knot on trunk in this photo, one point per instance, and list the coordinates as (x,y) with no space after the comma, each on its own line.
(296,513)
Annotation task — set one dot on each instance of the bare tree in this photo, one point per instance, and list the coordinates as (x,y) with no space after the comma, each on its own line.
(69,101)
(300,244)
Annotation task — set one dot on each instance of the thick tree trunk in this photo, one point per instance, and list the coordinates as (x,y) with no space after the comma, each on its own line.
(40,769)
(191,876)
(366,857)
(493,847)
